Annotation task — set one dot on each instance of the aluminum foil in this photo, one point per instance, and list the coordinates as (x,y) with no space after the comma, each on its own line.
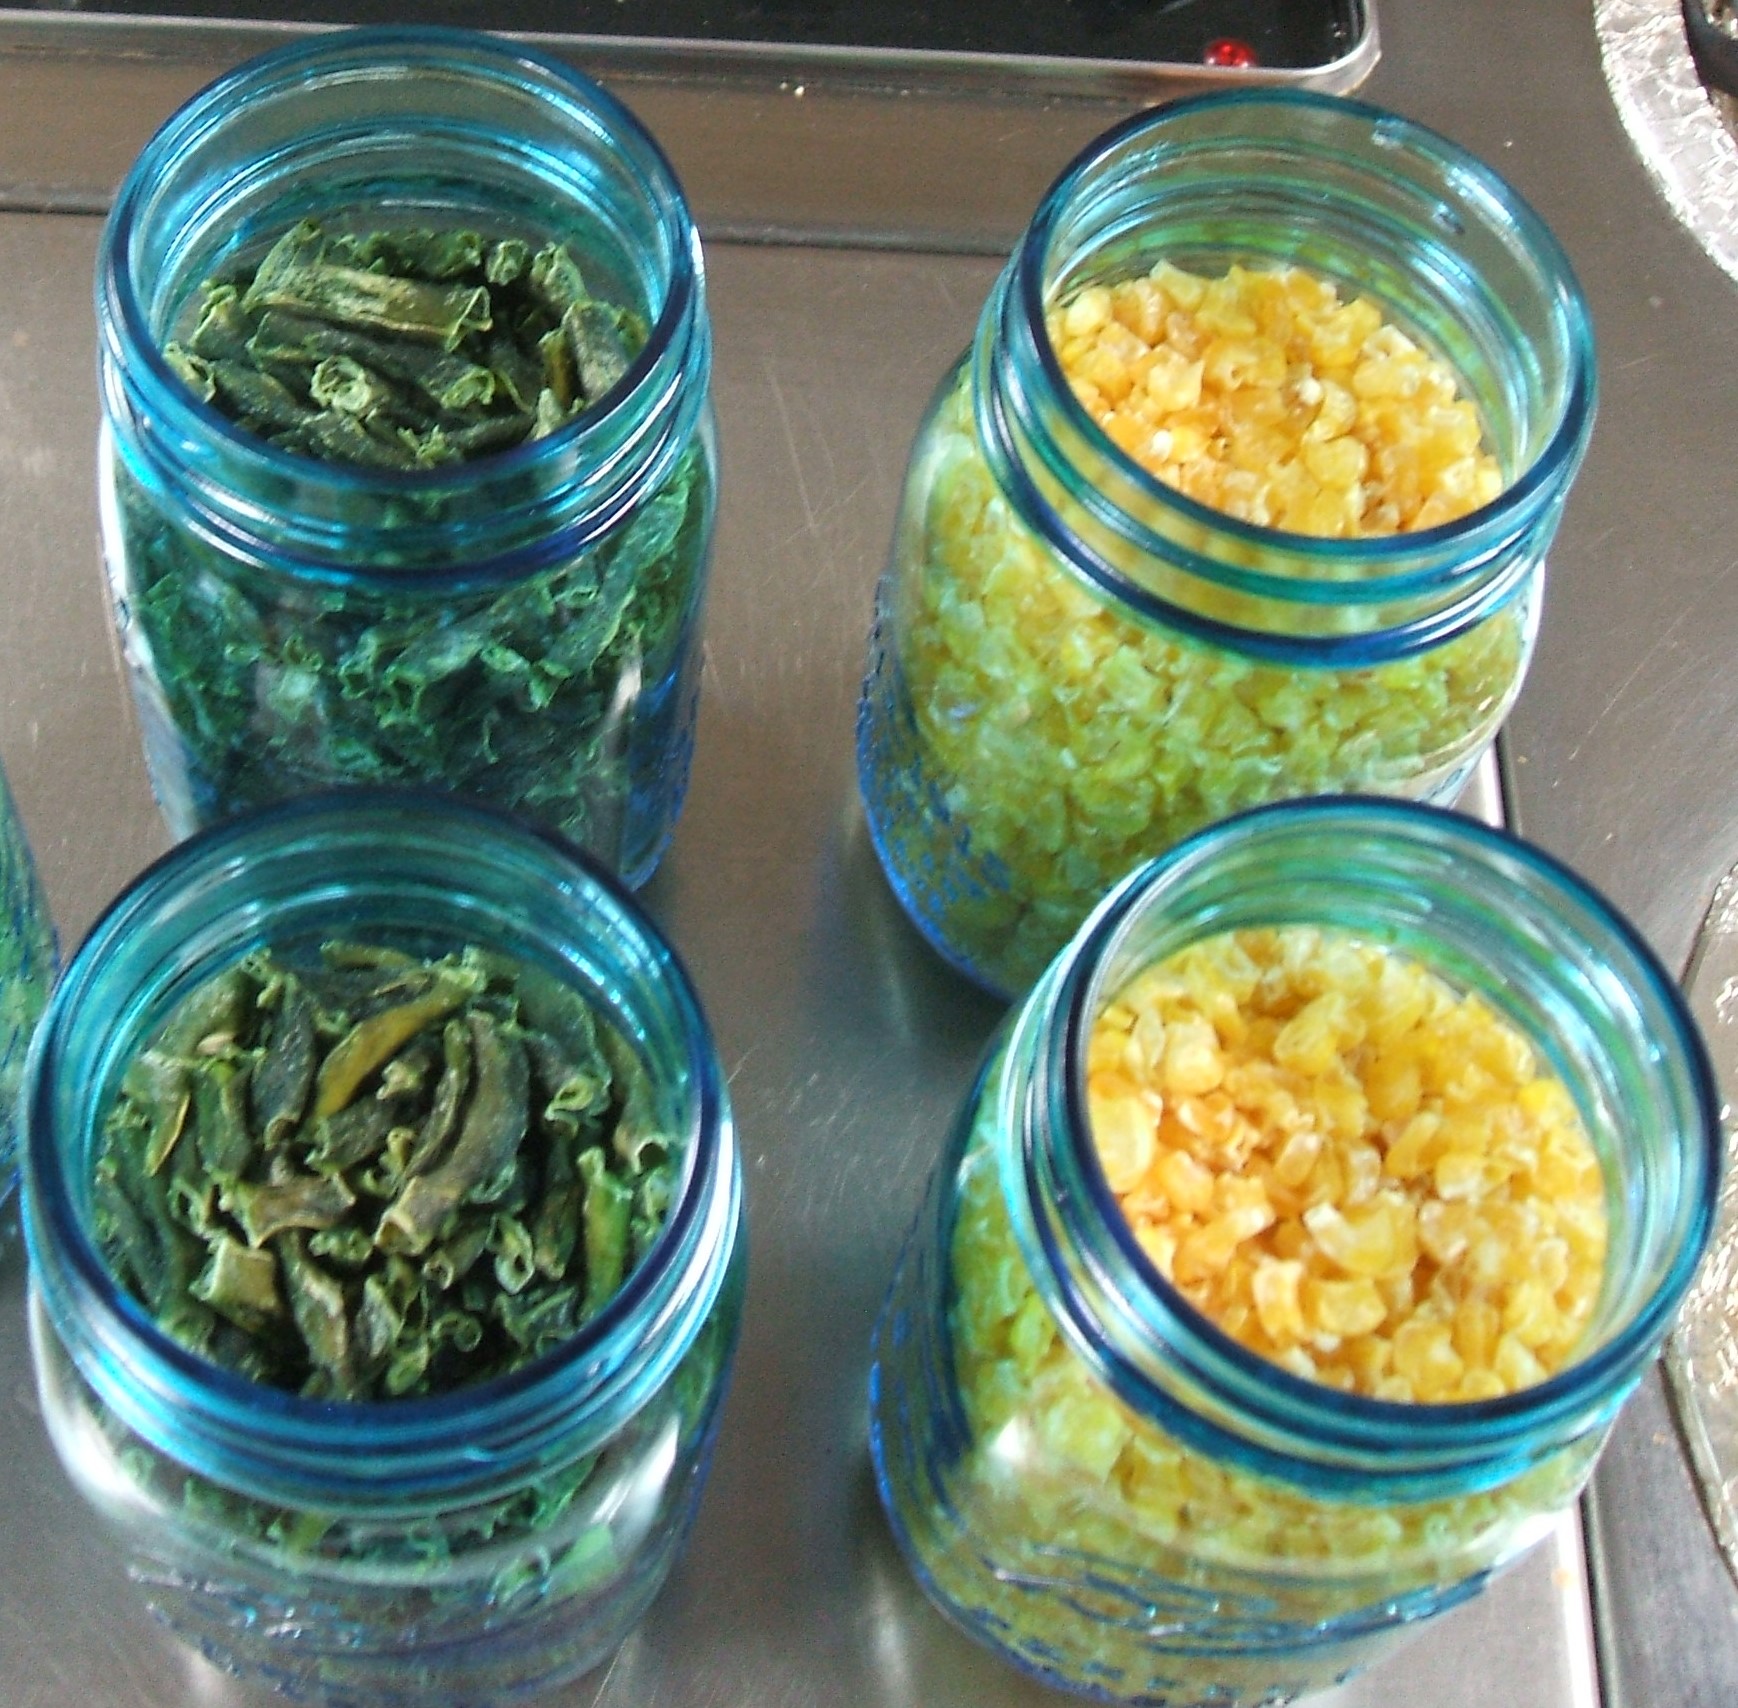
(1687,138)
(1702,1355)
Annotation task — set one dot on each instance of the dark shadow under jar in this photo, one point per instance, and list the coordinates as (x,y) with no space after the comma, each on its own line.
(520,624)
(454,1547)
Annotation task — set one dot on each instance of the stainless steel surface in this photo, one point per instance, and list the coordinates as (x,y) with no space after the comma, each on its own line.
(812,159)
(848,1043)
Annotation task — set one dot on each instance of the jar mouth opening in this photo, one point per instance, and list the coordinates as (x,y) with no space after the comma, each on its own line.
(127,1333)
(1254,1386)
(1387,567)
(352,55)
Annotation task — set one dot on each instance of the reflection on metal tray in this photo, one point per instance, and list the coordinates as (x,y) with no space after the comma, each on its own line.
(1091,47)
(1685,133)
(1702,1356)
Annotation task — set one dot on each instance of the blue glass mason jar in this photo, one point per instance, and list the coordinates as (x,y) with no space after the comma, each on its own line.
(456,1549)
(27,965)
(520,625)
(1089,1476)
(1074,664)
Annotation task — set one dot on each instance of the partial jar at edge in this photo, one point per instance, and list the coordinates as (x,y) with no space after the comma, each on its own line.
(1088,1476)
(1074,665)
(28,958)
(521,626)
(440,1552)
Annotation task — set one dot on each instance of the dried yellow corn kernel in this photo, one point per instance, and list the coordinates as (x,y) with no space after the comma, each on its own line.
(1370,1173)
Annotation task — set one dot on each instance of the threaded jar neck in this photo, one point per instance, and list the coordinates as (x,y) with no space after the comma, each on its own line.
(1380,207)
(1492,917)
(410,868)
(427,125)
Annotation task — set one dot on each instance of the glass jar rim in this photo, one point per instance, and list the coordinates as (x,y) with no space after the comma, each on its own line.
(1477,535)
(125,1330)
(1257,1389)
(340,55)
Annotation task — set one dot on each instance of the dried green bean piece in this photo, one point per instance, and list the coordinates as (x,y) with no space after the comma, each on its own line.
(341,383)
(317,1305)
(608,1206)
(442,1120)
(297,275)
(488,1143)
(193,371)
(223,330)
(599,340)
(209,1020)
(489,1169)
(162,1086)
(268,1207)
(369,1043)
(240,1282)
(429,254)
(221,1119)
(354,1135)
(279,1087)
(448,380)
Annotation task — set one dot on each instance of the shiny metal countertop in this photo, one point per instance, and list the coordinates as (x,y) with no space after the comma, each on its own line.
(850,235)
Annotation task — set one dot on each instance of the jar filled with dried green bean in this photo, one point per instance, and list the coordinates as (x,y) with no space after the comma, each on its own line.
(408,461)
(383,1204)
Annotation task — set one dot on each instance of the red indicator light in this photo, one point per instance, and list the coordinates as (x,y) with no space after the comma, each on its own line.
(1228,51)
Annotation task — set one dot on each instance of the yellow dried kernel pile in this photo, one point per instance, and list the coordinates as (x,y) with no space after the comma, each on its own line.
(1348,1166)
(1261,394)
(1061,1468)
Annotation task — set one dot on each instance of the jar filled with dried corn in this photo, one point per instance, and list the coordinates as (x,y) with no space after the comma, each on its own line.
(1242,493)
(1294,1250)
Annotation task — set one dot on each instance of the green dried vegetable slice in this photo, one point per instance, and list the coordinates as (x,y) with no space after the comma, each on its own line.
(268,1207)
(240,1282)
(488,1143)
(372,1041)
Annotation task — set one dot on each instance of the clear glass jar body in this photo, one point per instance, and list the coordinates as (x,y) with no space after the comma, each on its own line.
(520,626)
(458,1549)
(27,965)
(1087,1475)
(1074,665)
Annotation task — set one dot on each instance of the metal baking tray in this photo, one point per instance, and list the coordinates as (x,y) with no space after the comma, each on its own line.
(1071,48)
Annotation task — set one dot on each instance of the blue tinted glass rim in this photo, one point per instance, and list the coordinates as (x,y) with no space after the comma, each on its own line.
(1490,526)
(375,1421)
(133,346)
(1350,1421)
